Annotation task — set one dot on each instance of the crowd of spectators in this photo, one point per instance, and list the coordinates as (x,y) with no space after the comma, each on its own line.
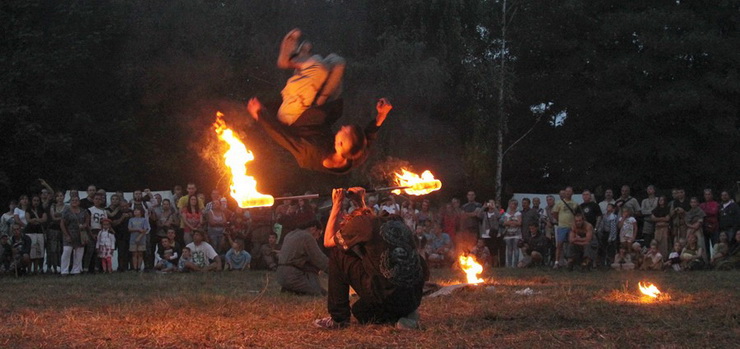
(48,233)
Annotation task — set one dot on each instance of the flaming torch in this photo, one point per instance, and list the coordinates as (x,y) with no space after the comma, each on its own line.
(649,290)
(243,187)
(408,182)
(415,184)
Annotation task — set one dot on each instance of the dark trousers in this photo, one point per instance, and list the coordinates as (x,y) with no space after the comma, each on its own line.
(499,249)
(124,256)
(90,260)
(379,301)
(151,247)
(491,244)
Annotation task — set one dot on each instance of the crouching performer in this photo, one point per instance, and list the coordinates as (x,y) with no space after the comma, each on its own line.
(301,259)
(377,257)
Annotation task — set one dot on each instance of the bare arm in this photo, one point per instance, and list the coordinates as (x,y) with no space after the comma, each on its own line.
(332,226)
(287,47)
(334,79)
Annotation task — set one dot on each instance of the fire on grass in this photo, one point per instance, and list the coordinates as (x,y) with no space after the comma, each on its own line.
(243,187)
(648,293)
(471,268)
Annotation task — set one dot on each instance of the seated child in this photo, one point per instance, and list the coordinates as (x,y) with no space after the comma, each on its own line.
(167,256)
(720,249)
(185,259)
(652,260)
(237,258)
(623,260)
(674,258)
(481,253)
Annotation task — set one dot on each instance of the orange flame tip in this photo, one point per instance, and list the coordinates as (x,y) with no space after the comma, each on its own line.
(419,185)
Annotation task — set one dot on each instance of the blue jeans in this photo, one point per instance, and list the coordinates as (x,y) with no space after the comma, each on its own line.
(561,235)
(512,252)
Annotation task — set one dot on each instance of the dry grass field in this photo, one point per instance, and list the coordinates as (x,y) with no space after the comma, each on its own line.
(229,310)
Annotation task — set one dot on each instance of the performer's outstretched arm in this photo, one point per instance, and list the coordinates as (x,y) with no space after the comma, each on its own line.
(332,225)
(287,48)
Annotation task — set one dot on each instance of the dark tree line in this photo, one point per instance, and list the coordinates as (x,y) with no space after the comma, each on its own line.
(122,93)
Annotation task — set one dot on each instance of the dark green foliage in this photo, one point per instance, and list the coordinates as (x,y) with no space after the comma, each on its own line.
(122,93)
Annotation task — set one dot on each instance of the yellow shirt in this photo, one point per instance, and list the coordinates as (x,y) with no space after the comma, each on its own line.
(565,217)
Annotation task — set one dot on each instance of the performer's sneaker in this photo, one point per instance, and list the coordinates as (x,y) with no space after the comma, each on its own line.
(409,322)
(329,324)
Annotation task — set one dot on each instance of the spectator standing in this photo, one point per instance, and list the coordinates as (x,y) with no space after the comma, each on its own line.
(564,211)
(627,228)
(408,213)
(608,199)
(512,222)
(450,218)
(19,213)
(711,219)
(8,218)
(607,233)
(139,228)
(626,200)
(729,217)
(694,222)
(75,222)
(425,213)
(105,243)
(389,205)
(529,216)
(184,201)
(470,224)
(191,218)
(89,200)
(97,214)
(489,228)
(119,213)
(54,234)
(591,210)
(661,217)
(217,220)
(679,206)
(176,195)
(646,210)
(165,217)
(36,217)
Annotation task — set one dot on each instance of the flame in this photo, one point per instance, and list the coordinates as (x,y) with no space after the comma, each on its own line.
(243,187)
(471,269)
(419,185)
(649,290)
